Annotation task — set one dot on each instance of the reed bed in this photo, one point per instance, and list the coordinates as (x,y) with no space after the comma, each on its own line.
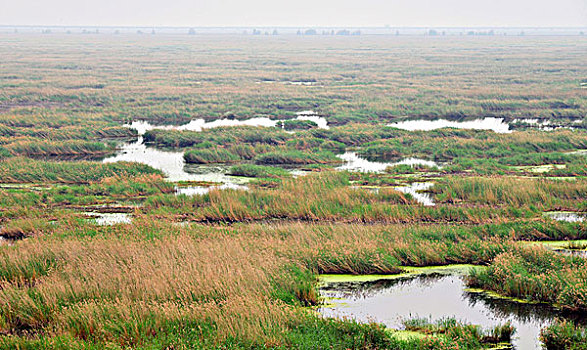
(543,194)
(538,275)
(24,170)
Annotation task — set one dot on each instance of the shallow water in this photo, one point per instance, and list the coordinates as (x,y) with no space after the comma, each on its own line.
(313,116)
(415,190)
(489,123)
(545,125)
(171,163)
(201,124)
(353,162)
(435,296)
(109,218)
(201,190)
(566,216)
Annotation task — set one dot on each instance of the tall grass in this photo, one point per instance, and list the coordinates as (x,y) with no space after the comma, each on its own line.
(514,192)
(564,335)
(23,170)
(537,275)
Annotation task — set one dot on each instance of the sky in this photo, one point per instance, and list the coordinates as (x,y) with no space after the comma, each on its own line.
(296,13)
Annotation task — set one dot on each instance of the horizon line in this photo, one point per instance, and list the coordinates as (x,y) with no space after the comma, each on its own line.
(288,27)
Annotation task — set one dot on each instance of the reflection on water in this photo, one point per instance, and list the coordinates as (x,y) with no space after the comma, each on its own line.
(541,124)
(201,124)
(171,163)
(567,216)
(353,162)
(312,116)
(489,123)
(109,218)
(436,296)
(415,190)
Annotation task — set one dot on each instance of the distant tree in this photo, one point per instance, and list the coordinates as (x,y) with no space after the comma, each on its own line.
(299,32)
(15,30)
(343,32)
(97,31)
(432,32)
(581,33)
(310,32)
(275,32)
(332,32)
(356,32)
(397,32)
(191,31)
(140,32)
(117,32)
(68,32)
(153,32)
(443,32)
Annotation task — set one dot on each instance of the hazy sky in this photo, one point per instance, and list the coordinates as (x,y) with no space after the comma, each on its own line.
(295,12)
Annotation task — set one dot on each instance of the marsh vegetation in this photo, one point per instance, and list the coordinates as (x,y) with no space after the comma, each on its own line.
(155,194)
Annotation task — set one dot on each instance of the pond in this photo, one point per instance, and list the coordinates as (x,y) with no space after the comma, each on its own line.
(354,162)
(490,123)
(433,293)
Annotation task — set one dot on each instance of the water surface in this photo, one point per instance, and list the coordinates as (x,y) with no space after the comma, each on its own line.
(567,216)
(496,124)
(435,295)
(354,162)
(109,218)
(201,190)
(171,163)
(416,190)
(200,124)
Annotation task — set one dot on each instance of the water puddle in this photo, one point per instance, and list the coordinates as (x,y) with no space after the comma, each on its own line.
(314,117)
(545,125)
(416,189)
(432,294)
(201,124)
(353,162)
(107,219)
(567,216)
(201,190)
(490,123)
(575,248)
(540,169)
(303,83)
